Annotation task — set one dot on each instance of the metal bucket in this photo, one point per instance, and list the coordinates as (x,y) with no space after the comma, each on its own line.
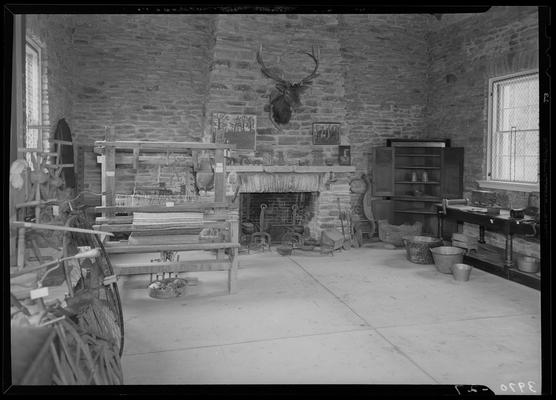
(528,264)
(446,256)
(461,271)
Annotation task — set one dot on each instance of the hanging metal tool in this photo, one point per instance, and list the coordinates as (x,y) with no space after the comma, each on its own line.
(261,238)
(342,216)
(293,235)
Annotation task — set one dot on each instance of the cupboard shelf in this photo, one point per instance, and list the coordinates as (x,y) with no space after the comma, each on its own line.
(415,167)
(425,211)
(418,198)
(417,155)
(417,183)
(393,169)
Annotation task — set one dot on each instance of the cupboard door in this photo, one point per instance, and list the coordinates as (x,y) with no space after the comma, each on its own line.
(383,182)
(383,209)
(451,179)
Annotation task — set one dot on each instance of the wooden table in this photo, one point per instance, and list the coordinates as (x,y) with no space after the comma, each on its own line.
(499,223)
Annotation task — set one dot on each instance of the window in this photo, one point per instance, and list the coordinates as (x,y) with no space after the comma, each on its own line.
(32,94)
(514,130)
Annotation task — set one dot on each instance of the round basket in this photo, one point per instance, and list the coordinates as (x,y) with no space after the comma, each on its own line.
(418,248)
(167,288)
(284,250)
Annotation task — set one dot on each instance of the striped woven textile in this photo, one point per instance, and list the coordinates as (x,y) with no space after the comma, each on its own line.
(178,219)
(173,223)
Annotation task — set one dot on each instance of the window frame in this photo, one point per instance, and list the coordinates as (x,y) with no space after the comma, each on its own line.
(29,41)
(489,182)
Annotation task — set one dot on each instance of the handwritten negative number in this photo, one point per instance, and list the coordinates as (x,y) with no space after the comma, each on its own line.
(521,385)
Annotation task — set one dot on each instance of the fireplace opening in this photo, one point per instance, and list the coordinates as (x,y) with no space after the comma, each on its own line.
(284,212)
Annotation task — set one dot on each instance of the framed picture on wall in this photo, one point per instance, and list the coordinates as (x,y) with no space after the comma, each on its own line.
(326,133)
(238,129)
(344,155)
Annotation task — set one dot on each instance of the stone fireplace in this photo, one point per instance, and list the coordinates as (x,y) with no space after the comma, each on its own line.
(284,210)
(317,191)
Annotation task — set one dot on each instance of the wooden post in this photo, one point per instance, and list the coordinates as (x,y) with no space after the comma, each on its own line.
(102,161)
(234,238)
(482,234)
(232,273)
(219,176)
(38,190)
(21,248)
(508,250)
(135,159)
(17,126)
(110,176)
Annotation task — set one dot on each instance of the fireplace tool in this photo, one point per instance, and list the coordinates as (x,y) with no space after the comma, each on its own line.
(260,238)
(293,236)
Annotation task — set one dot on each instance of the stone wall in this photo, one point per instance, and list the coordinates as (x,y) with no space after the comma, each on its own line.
(160,77)
(465,52)
(144,75)
(385,71)
(238,86)
(53,33)
(385,65)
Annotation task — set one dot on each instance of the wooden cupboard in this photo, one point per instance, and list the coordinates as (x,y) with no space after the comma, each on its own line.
(411,178)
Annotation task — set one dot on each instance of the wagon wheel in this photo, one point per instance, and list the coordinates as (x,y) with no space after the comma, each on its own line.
(85,278)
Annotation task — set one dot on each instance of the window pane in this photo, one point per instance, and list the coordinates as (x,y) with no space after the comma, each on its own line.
(31,95)
(502,145)
(32,98)
(531,143)
(515,134)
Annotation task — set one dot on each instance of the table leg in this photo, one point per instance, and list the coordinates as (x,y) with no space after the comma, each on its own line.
(440,227)
(508,262)
(481,234)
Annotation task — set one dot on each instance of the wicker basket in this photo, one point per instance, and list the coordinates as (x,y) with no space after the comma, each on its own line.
(418,248)
(284,250)
(167,288)
(394,234)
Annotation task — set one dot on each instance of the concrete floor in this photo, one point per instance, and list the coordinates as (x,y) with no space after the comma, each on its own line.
(363,316)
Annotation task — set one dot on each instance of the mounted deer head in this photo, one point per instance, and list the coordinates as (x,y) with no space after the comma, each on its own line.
(287,96)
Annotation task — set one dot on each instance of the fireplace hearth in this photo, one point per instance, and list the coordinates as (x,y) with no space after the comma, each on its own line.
(284,212)
(318,192)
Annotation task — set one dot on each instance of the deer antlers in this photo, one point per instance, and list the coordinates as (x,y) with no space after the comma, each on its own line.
(315,55)
(288,96)
(266,72)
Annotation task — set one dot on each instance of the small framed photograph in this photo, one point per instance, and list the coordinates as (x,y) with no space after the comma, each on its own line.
(344,155)
(326,133)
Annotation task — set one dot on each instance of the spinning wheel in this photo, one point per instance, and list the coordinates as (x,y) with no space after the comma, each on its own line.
(93,291)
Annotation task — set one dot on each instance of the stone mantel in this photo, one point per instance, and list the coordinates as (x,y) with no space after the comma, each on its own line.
(298,169)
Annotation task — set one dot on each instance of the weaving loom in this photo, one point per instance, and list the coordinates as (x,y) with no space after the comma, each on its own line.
(164,222)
